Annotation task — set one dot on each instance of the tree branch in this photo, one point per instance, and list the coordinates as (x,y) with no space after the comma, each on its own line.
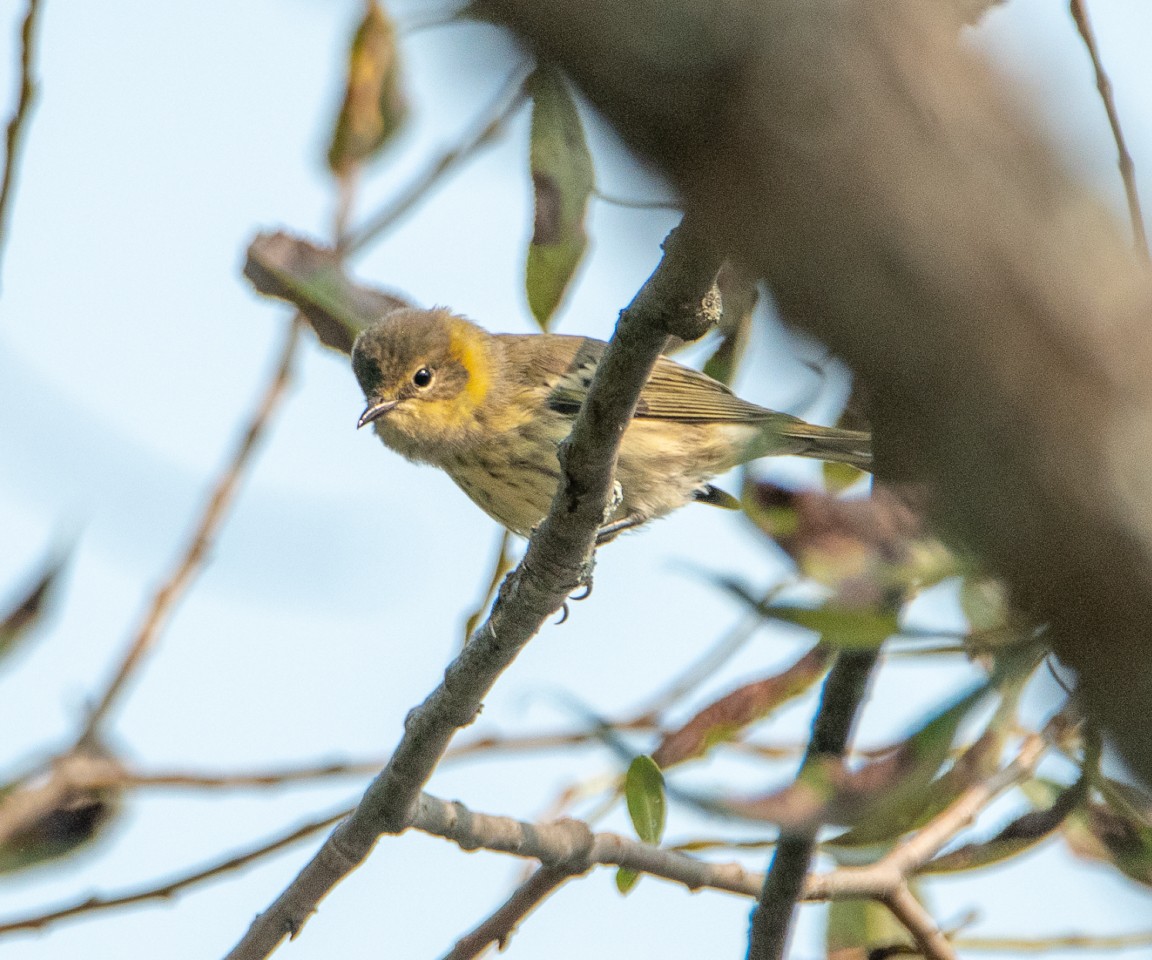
(211,520)
(499,927)
(166,889)
(556,563)
(1124,158)
(918,922)
(20,115)
(905,209)
(840,702)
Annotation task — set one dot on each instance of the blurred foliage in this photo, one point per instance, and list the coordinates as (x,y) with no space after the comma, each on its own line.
(27,611)
(562,182)
(374,105)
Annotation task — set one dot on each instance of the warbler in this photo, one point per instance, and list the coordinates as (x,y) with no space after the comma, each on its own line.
(490,410)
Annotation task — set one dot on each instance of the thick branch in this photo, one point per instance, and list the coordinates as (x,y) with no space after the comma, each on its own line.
(556,564)
(904,208)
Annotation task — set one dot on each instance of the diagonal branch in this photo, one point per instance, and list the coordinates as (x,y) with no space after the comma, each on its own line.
(16,126)
(1124,158)
(167,889)
(499,927)
(556,563)
(199,546)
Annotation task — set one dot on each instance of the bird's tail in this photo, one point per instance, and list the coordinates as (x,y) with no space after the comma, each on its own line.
(853,447)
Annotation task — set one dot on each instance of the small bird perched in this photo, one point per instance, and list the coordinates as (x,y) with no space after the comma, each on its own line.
(491,409)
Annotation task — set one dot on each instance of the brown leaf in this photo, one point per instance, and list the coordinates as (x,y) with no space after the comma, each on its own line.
(725,718)
(312,279)
(870,550)
(374,106)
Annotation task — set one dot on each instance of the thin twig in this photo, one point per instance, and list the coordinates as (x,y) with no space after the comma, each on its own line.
(903,863)
(501,564)
(1068,941)
(557,563)
(204,536)
(23,110)
(165,890)
(507,102)
(712,660)
(629,204)
(843,694)
(918,922)
(1124,159)
(502,923)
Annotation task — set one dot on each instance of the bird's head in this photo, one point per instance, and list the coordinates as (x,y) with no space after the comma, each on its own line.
(424,373)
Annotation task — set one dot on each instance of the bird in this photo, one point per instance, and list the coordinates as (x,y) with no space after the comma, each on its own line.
(491,409)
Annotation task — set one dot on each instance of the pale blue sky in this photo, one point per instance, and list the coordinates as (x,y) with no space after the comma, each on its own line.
(131,350)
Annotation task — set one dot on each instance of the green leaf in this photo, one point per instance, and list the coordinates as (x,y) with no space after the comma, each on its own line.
(28,609)
(562,181)
(644,793)
(626,879)
(840,476)
(374,106)
(840,627)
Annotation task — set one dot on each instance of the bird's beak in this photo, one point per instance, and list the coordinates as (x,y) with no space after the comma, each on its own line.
(374,411)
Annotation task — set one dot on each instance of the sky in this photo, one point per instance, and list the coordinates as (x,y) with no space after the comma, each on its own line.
(131,350)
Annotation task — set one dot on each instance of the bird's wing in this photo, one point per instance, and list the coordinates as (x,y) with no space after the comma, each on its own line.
(678,393)
(673,392)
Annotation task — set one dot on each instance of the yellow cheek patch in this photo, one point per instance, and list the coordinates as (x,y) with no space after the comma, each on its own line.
(469,351)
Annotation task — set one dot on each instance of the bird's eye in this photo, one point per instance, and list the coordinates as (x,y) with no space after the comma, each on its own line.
(422,377)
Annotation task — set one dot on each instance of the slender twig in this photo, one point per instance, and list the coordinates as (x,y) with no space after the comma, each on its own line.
(1079,11)
(166,889)
(557,562)
(501,564)
(903,863)
(1046,945)
(507,102)
(203,537)
(712,660)
(502,923)
(918,922)
(20,115)
(843,693)
(630,204)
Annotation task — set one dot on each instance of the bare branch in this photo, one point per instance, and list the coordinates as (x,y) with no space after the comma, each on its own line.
(20,115)
(556,563)
(840,702)
(499,927)
(507,102)
(501,564)
(1124,158)
(166,889)
(203,538)
(1048,945)
(918,922)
